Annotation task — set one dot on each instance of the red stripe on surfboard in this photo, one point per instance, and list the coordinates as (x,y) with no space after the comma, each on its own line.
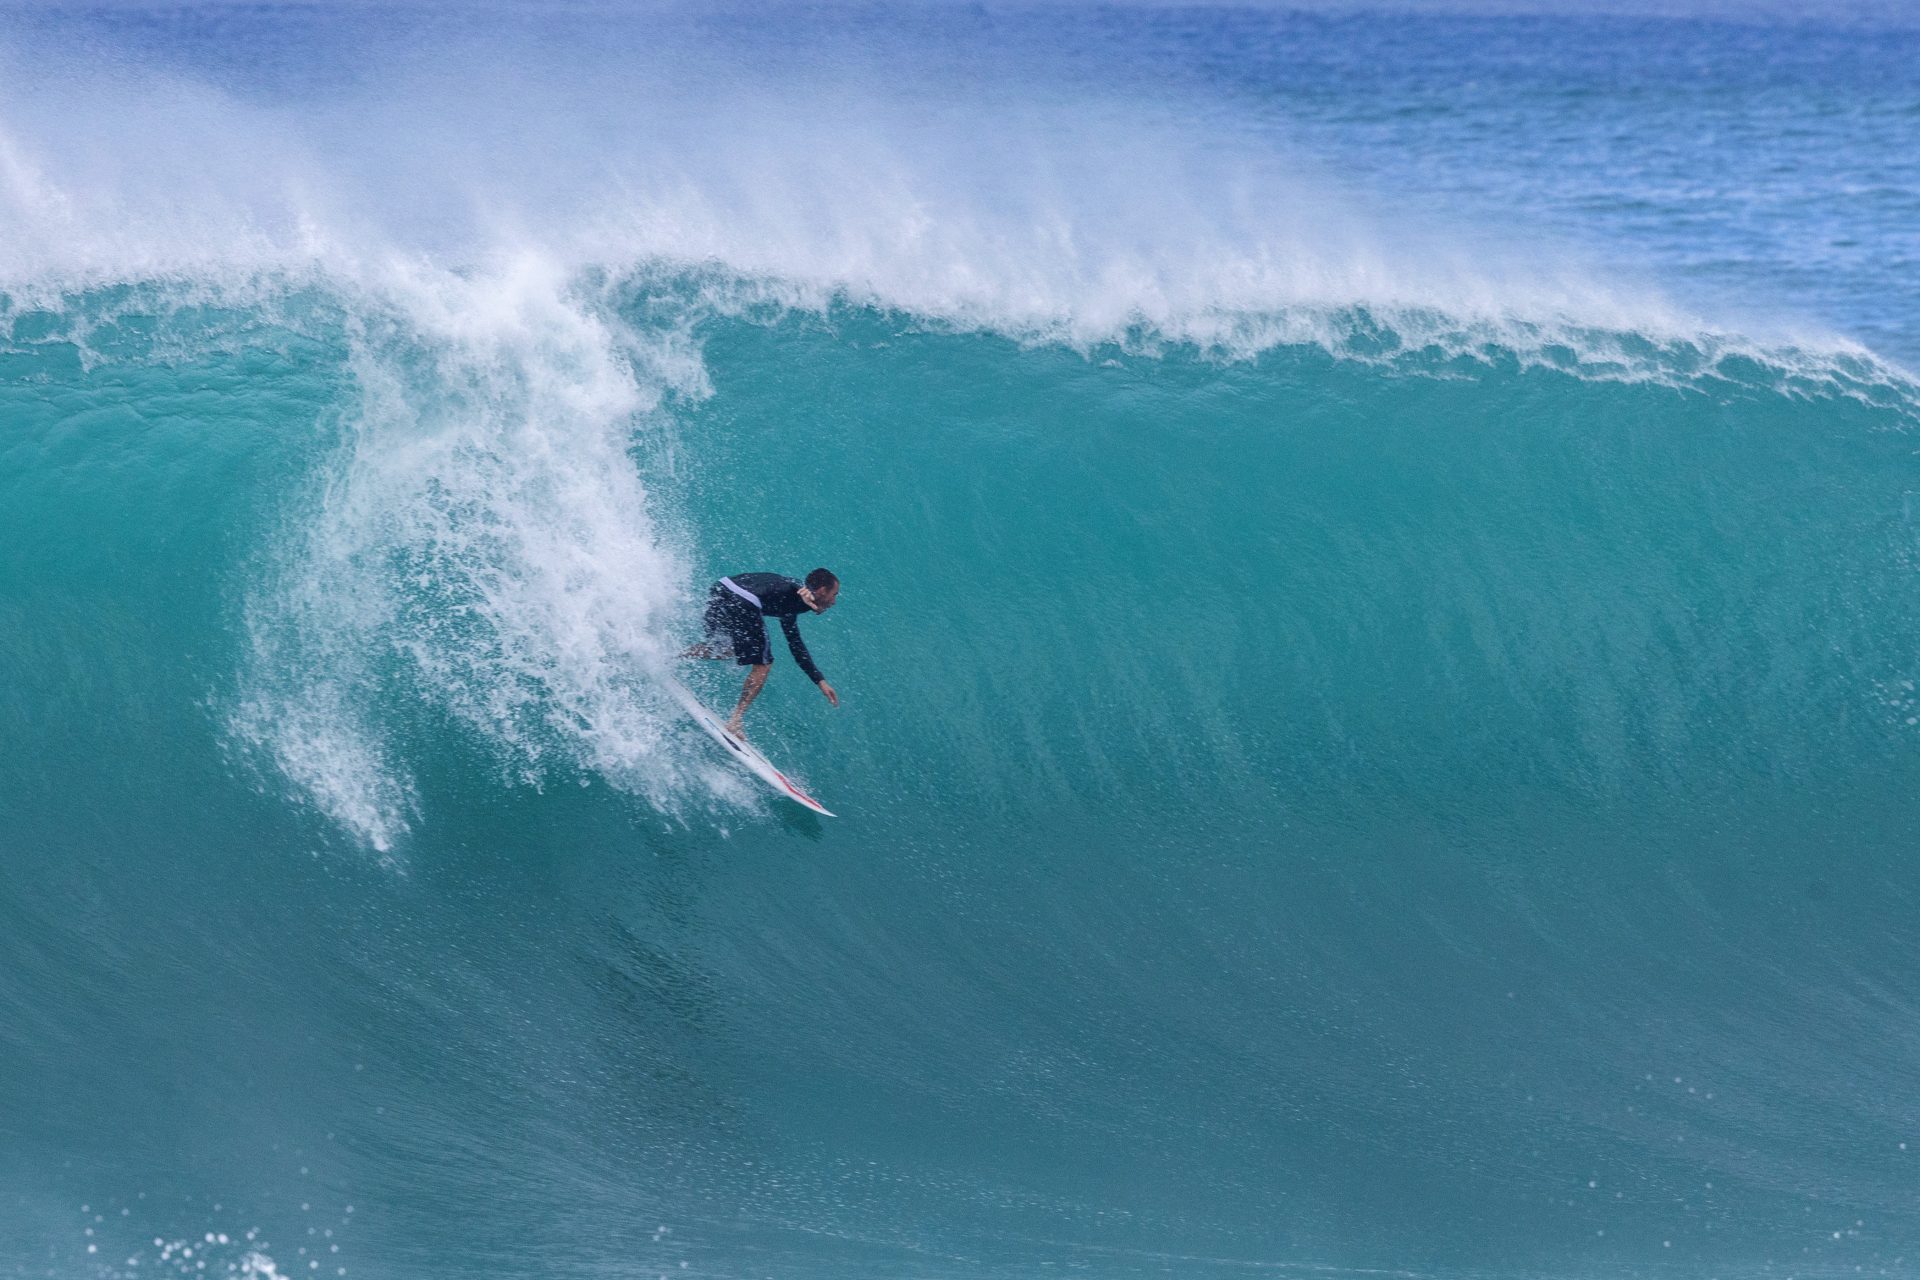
(797,792)
(789,786)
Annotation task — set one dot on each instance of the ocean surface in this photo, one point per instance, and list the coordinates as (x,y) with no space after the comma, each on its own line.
(1378,654)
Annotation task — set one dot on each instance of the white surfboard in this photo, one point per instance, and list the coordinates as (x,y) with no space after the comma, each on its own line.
(757,764)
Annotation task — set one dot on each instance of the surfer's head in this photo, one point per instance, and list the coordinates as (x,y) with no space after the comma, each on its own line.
(824,588)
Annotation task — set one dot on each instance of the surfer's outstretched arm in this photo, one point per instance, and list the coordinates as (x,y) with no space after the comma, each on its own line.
(798,648)
(757,677)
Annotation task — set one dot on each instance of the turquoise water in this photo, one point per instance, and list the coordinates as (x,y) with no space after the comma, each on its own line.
(1377,654)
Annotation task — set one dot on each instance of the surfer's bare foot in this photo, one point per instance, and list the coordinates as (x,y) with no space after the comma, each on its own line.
(737,729)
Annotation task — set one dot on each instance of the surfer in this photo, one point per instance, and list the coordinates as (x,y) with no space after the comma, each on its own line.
(736,609)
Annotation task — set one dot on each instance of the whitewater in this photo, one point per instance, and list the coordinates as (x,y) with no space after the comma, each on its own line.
(1378,645)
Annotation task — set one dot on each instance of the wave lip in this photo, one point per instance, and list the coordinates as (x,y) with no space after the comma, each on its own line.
(1660,346)
(1084,217)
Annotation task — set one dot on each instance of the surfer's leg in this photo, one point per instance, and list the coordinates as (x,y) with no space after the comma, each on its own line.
(751,648)
(756,680)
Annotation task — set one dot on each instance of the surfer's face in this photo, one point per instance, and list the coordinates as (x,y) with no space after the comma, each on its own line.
(823,600)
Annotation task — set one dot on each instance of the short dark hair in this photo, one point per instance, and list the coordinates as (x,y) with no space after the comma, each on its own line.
(821,579)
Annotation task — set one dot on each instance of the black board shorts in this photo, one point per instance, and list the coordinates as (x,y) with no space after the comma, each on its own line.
(740,626)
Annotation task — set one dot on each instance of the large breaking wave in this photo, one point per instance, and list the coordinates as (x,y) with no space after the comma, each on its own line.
(1369,743)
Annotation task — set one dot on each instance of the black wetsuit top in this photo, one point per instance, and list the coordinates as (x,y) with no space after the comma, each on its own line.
(780,598)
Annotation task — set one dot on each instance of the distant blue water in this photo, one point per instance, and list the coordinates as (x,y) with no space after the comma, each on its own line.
(1378,654)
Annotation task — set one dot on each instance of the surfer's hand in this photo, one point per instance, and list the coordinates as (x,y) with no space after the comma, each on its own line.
(827,689)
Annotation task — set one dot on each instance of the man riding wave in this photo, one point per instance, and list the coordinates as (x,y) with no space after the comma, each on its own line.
(737,608)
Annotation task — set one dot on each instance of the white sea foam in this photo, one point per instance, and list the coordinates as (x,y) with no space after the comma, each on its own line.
(484,548)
